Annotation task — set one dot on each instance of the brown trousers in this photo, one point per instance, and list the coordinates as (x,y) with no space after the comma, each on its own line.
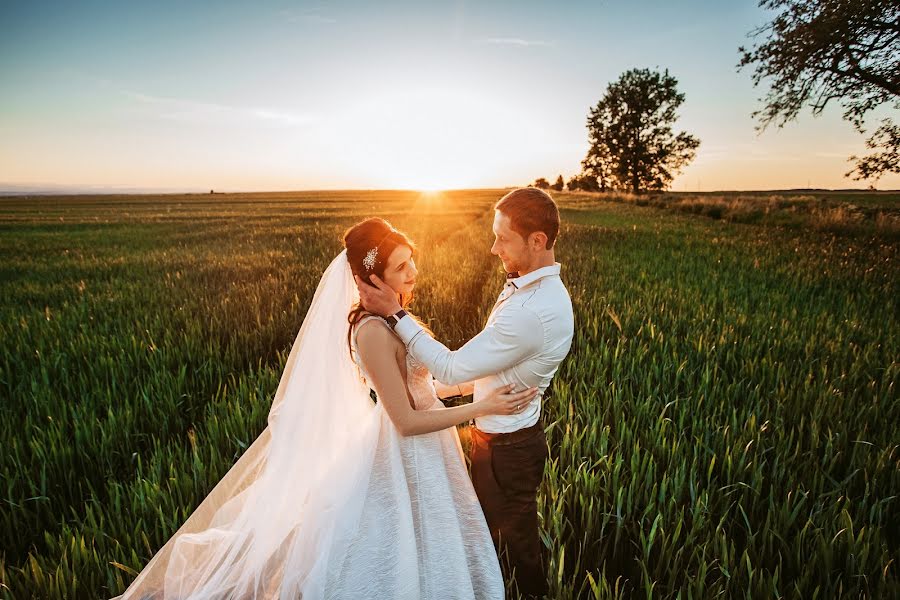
(507,469)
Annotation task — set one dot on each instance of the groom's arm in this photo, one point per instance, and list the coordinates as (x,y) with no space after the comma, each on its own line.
(515,334)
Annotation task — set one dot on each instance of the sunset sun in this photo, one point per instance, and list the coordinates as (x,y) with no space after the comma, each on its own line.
(428,139)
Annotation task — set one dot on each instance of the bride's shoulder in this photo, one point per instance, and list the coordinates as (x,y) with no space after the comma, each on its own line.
(365,318)
(373,330)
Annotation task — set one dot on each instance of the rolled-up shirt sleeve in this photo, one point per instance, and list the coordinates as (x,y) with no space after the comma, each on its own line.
(515,334)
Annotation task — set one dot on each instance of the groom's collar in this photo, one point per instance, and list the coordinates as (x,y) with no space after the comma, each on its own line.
(521,281)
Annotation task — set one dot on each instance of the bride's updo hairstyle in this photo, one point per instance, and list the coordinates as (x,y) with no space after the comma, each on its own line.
(359,240)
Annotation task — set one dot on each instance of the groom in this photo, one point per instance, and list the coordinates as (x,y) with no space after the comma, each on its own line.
(528,333)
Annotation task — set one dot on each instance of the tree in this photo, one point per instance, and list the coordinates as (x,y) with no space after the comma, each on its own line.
(558,186)
(632,145)
(816,51)
(598,164)
(583,181)
(542,183)
(887,139)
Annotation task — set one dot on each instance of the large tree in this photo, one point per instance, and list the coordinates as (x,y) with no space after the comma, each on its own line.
(597,166)
(632,145)
(816,51)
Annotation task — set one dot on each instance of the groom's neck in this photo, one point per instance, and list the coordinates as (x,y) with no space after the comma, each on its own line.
(548,259)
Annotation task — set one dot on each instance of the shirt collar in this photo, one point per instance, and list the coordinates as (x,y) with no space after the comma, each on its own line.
(521,281)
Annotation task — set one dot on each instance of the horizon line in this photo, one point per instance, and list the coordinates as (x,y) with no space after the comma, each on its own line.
(18,190)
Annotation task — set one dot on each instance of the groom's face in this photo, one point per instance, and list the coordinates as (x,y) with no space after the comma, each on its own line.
(509,245)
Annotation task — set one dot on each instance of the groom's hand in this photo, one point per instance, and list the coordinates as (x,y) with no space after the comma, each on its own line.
(379,300)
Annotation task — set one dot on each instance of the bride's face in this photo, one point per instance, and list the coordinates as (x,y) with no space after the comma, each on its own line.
(400,272)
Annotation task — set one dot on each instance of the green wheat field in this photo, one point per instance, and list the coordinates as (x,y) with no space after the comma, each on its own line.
(727,424)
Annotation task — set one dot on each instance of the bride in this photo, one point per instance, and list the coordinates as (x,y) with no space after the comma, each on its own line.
(340,496)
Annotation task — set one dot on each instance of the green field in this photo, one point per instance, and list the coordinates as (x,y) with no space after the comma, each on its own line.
(726,425)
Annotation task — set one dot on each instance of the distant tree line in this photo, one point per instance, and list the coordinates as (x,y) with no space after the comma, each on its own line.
(543,184)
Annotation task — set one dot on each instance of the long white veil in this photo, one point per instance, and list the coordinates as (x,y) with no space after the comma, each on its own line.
(282,517)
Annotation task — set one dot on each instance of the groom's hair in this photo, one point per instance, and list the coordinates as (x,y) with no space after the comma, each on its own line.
(531,209)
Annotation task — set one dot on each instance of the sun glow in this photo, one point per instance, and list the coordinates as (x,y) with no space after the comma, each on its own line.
(428,140)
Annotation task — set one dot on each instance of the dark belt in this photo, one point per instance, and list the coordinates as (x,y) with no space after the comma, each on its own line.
(513,437)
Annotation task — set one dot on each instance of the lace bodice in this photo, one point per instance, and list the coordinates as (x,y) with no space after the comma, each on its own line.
(419,381)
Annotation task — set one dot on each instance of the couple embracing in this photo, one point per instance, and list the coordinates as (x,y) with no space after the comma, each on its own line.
(345,497)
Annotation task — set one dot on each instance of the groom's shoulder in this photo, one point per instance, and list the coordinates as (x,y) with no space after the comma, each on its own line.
(549,297)
(558,284)
(547,289)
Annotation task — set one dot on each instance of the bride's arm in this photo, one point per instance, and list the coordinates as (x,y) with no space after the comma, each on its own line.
(383,368)
(447,391)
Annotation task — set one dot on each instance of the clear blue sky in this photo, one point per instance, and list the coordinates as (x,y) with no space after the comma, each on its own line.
(296,95)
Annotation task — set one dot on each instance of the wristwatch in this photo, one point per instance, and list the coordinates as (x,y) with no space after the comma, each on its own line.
(395,318)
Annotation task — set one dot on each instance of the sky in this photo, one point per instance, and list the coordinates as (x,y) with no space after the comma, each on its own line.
(279,95)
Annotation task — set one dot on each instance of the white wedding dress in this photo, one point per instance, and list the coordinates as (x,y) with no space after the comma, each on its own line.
(330,501)
(422,533)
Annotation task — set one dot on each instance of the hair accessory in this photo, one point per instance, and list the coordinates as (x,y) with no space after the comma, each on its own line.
(371,255)
(369,260)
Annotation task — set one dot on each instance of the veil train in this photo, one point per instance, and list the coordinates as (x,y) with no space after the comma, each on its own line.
(282,517)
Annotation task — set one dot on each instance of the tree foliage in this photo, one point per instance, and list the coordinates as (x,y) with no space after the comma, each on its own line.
(632,144)
(814,52)
(583,181)
(886,159)
(597,166)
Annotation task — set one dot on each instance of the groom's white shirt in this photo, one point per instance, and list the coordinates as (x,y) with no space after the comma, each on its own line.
(528,333)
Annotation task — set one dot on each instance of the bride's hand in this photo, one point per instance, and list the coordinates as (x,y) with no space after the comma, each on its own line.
(502,401)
